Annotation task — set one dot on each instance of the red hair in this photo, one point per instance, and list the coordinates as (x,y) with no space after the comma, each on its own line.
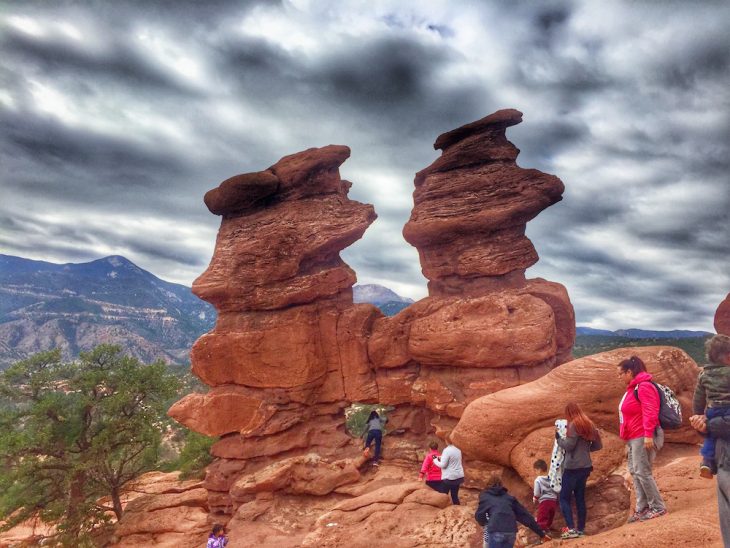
(583,425)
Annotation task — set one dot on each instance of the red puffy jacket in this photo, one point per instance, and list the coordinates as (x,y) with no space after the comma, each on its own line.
(639,419)
(429,469)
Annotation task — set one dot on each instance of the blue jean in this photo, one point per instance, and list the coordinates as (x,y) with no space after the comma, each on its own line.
(502,540)
(377,436)
(708,447)
(574,481)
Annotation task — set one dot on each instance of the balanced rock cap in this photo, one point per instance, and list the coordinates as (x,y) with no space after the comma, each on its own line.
(241,192)
(498,121)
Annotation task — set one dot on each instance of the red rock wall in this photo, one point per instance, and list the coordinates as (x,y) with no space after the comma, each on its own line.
(722,317)
(290,350)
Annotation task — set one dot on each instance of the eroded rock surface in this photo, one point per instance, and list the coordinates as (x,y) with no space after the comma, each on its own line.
(722,317)
(291,350)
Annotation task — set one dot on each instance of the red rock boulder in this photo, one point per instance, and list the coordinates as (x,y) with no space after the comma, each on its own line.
(722,317)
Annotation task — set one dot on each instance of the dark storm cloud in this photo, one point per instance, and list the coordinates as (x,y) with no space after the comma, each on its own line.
(120,63)
(625,102)
(45,141)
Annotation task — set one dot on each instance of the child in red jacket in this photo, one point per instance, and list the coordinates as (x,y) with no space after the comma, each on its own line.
(431,471)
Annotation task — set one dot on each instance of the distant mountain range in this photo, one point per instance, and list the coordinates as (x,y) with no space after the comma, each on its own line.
(389,302)
(111,300)
(643,333)
(75,307)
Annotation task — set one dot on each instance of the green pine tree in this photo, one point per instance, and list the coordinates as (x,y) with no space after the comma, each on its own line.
(71,433)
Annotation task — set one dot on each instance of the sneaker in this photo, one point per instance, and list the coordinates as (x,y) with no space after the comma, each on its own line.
(569,533)
(638,515)
(580,533)
(651,514)
(706,472)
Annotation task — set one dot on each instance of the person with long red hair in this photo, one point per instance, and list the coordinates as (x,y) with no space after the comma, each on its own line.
(582,438)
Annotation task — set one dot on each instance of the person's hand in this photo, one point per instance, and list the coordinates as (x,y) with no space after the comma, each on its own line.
(420,477)
(546,538)
(649,444)
(534,500)
(699,423)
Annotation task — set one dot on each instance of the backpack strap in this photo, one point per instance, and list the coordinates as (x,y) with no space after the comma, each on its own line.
(636,391)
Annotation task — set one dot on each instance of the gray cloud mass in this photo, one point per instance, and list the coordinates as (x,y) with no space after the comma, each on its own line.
(117,118)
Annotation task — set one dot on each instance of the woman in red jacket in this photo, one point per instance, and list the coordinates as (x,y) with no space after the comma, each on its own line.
(431,471)
(639,427)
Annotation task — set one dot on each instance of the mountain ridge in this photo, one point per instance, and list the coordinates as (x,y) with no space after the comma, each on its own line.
(75,306)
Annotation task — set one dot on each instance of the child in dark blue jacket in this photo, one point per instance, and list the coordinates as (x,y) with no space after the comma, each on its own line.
(503,512)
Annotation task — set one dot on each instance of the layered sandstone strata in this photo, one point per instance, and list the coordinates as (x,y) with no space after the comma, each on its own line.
(482,318)
(722,317)
(290,350)
(471,207)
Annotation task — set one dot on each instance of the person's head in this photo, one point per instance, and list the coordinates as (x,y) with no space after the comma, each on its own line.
(373,415)
(434,445)
(583,425)
(495,480)
(718,349)
(218,530)
(630,367)
(540,466)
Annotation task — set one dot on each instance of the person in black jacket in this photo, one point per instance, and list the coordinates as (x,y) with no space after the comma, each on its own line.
(503,511)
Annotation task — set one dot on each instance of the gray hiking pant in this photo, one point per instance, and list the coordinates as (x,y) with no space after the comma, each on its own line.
(723,503)
(639,463)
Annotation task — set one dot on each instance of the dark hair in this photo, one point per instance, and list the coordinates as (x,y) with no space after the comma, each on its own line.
(583,425)
(218,528)
(633,364)
(717,348)
(495,480)
(540,464)
(433,445)
(373,415)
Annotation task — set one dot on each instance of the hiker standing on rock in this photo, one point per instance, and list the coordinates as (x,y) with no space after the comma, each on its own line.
(712,395)
(719,428)
(581,439)
(639,428)
(374,433)
(452,471)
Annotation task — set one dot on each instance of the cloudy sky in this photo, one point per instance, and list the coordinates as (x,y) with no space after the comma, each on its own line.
(116,117)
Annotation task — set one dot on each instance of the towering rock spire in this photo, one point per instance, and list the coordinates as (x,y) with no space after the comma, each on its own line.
(471,207)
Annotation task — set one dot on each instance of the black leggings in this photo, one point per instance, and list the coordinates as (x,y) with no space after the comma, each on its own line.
(452,487)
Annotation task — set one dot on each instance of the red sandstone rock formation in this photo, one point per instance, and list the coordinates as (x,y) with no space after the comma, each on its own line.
(471,208)
(722,317)
(290,350)
(514,427)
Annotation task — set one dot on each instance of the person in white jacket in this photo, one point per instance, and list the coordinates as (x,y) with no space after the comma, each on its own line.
(452,471)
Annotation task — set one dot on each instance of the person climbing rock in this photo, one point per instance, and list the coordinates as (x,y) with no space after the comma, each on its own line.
(374,433)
